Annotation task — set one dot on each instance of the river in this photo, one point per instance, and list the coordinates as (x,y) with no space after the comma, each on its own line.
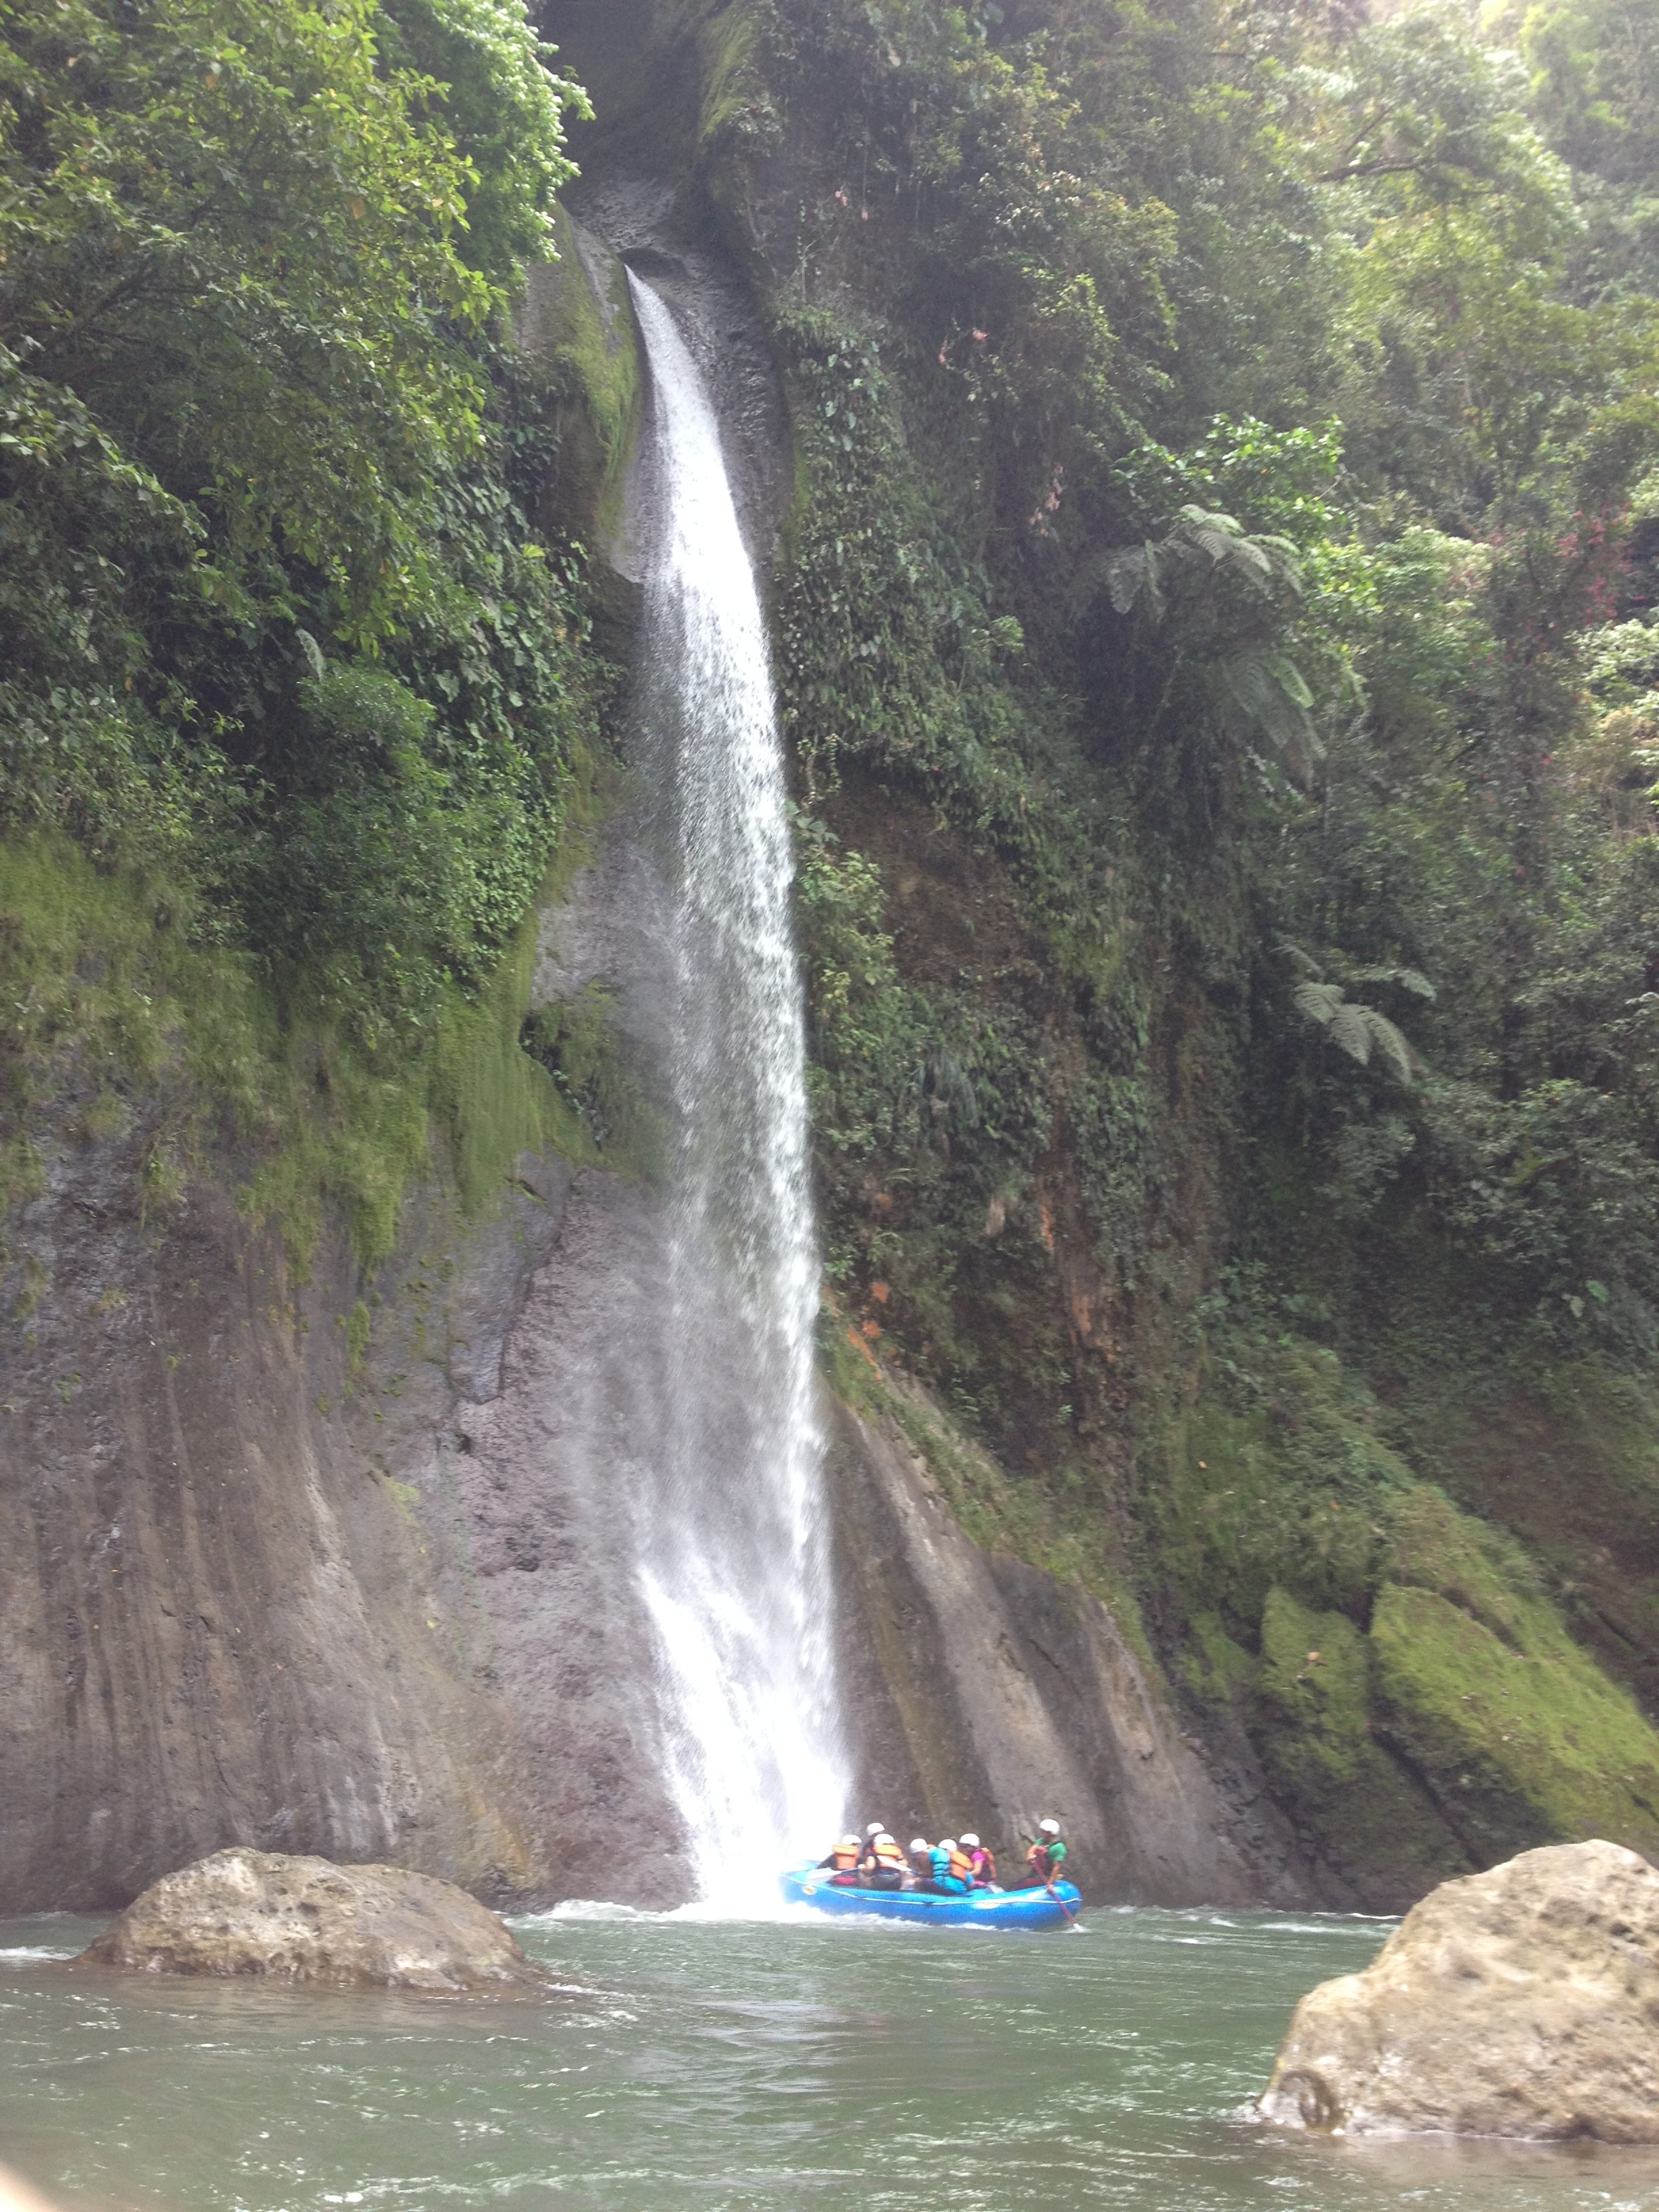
(714,2064)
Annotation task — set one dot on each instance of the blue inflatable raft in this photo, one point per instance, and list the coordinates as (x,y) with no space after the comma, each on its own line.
(980,1908)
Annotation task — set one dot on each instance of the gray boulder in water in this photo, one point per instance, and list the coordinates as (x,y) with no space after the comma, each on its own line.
(1523,2001)
(246,1912)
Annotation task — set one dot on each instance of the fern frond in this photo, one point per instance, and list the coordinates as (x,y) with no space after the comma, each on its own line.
(1269,692)
(1203,523)
(1318,1001)
(1303,961)
(1126,576)
(1349,1028)
(1354,1028)
(1286,560)
(1390,1041)
(1409,979)
(1290,680)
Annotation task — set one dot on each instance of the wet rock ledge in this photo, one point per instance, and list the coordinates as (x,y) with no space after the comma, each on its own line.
(305,1920)
(1523,2003)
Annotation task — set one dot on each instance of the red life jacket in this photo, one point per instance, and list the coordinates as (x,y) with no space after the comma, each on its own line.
(1041,1865)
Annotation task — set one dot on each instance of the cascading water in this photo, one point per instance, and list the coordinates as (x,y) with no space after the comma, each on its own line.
(732,1538)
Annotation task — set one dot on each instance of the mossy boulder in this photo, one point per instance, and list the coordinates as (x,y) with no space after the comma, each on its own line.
(1464,1726)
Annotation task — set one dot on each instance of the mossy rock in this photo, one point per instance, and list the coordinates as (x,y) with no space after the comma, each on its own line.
(1313,1726)
(111,993)
(585,338)
(1523,1741)
(621,1123)
(1435,1547)
(1214,1667)
(1276,1478)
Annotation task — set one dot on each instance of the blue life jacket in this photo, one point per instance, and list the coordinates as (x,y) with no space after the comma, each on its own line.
(943,1877)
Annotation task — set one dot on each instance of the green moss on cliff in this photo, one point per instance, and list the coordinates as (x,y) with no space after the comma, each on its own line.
(588,346)
(1524,1746)
(344,1129)
(122,1026)
(1275,1475)
(117,1022)
(1414,1693)
(1564,1455)
(1314,1695)
(607,1113)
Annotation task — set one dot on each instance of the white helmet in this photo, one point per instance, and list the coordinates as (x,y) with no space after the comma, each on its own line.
(884,1838)
(947,1842)
(969,1841)
(874,1830)
(919,1844)
(848,1844)
(1048,1828)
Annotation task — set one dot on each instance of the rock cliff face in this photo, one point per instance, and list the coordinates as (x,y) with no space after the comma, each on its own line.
(222,1617)
(248,1597)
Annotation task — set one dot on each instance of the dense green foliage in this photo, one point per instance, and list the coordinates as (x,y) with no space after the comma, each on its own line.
(276,634)
(1336,676)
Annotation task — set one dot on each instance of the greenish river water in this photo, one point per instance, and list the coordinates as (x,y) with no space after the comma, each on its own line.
(808,2067)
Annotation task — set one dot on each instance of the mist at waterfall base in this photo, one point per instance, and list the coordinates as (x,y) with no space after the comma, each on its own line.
(706,2067)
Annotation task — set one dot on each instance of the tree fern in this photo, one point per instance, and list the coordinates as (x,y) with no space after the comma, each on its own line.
(1251,684)
(1357,1029)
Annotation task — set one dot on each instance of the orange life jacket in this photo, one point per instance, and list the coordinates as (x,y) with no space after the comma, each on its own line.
(844,1857)
(962,1866)
(889,1856)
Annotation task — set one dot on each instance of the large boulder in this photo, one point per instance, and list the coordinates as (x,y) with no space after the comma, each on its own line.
(305,1920)
(1523,2002)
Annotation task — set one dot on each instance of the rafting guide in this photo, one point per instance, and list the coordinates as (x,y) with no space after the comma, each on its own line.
(952,1882)
(1047,1855)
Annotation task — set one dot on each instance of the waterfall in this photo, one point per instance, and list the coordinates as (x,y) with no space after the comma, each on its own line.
(732,1535)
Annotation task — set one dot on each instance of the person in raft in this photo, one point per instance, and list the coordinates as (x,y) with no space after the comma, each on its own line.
(867,1856)
(951,1870)
(843,1861)
(984,1865)
(887,1869)
(1046,1858)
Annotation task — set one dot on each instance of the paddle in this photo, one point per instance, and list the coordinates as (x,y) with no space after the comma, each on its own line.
(1071,1916)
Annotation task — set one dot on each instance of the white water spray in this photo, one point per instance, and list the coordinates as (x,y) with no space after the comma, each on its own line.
(733,1541)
